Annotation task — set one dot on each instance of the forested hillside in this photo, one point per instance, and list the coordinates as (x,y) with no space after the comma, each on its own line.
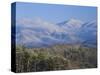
(58,57)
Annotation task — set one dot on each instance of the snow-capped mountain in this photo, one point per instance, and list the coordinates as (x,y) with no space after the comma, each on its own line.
(37,33)
(85,33)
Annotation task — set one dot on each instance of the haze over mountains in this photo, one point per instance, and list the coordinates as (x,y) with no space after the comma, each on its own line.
(40,33)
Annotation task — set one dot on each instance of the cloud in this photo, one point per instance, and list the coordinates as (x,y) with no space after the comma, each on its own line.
(39,23)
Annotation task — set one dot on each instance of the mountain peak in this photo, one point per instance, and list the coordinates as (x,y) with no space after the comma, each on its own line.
(74,22)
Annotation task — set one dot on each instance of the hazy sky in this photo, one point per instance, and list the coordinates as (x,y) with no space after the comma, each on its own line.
(55,13)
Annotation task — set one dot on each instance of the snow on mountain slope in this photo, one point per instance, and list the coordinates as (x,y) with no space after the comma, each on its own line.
(84,33)
(37,33)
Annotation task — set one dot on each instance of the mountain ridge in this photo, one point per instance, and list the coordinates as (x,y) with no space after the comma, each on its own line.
(42,33)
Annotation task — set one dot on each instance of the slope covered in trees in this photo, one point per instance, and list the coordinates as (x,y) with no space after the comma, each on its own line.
(58,57)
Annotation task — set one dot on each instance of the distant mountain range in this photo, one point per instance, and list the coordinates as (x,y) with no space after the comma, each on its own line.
(40,33)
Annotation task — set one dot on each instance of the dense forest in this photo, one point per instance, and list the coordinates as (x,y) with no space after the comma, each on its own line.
(58,57)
